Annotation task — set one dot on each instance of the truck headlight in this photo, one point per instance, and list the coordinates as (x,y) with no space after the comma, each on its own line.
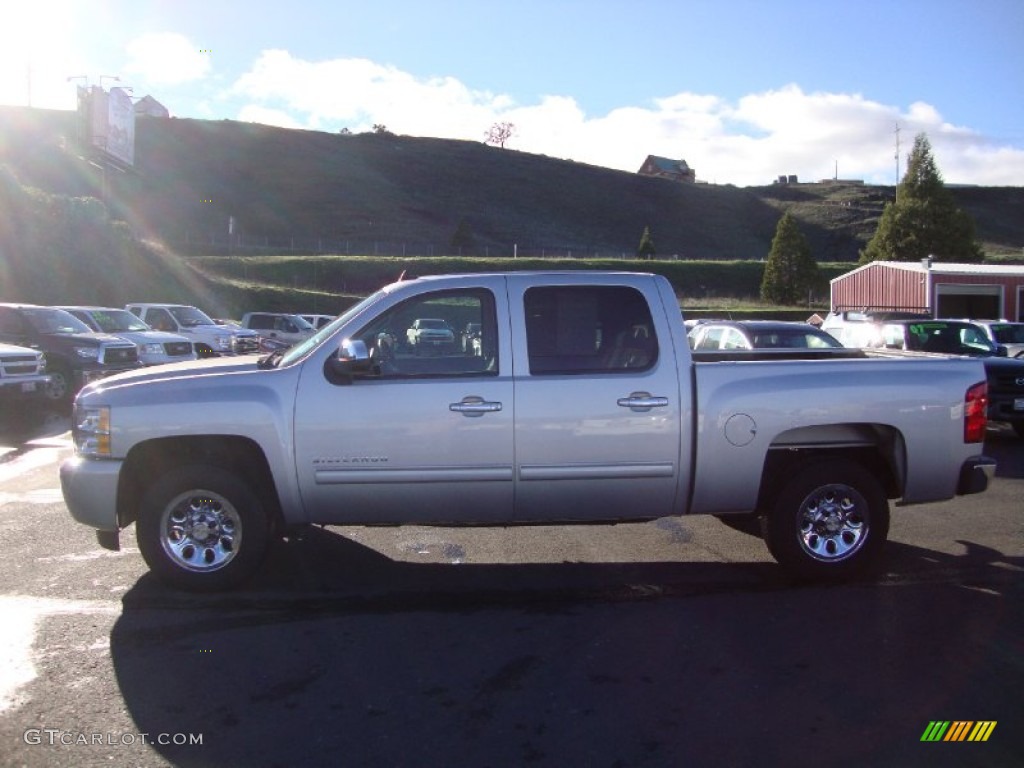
(91,431)
(224,342)
(151,349)
(89,353)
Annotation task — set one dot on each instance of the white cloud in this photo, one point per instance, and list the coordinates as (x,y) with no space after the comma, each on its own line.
(747,142)
(257,114)
(166,58)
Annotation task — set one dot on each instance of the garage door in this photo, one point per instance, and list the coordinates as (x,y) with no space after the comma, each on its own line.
(980,301)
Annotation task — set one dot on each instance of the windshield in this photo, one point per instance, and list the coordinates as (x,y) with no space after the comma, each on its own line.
(303,348)
(948,338)
(189,317)
(117,321)
(434,325)
(46,320)
(1008,333)
(796,338)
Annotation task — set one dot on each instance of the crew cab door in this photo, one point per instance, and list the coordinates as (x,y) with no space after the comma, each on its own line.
(597,399)
(427,436)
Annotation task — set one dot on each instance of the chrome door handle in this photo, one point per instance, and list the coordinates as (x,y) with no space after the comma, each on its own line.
(642,401)
(474,406)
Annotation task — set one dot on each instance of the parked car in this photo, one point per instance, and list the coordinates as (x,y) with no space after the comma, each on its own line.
(585,407)
(470,338)
(859,328)
(208,338)
(759,334)
(155,347)
(958,337)
(75,355)
(279,326)
(1005,333)
(22,375)
(426,332)
(318,321)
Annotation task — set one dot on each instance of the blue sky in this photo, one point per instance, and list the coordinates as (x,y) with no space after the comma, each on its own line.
(743,90)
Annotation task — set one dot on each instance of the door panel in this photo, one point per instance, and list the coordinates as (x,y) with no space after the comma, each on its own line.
(597,401)
(429,436)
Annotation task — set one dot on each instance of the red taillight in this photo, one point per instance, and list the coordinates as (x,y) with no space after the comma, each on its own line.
(975,408)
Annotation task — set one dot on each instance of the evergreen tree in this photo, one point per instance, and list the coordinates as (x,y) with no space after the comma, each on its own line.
(924,220)
(646,248)
(463,241)
(790,271)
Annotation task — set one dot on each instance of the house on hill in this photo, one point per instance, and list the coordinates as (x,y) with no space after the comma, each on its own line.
(664,168)
(982,291)
(147,105)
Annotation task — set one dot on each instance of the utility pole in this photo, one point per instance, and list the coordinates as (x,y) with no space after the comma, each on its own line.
(897,162)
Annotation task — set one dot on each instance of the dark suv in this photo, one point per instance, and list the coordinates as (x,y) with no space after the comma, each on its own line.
(956,337)
(74,354)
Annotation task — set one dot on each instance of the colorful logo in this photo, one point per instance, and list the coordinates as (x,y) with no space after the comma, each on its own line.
(958,730)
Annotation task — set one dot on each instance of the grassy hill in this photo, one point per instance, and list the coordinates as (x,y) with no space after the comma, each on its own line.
(72,232)
(380,194)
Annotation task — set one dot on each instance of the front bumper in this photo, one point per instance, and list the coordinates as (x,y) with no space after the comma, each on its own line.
(90,373)
(90,491)
(975,475)
(24,388)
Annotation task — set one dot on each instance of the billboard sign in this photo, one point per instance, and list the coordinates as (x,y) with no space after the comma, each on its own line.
(111,122)
(120,126)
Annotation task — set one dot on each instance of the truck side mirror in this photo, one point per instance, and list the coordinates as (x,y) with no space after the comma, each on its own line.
(351,360)
(1002,351)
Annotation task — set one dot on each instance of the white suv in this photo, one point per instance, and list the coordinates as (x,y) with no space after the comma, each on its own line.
(155,347)
(1004,333)
(209,339)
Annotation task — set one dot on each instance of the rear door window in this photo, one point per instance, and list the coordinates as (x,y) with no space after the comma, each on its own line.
(588,329)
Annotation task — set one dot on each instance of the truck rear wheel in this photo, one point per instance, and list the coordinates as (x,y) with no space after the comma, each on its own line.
(829,522)
(202,529)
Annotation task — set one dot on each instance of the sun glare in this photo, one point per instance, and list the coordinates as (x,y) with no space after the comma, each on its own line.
(35,48)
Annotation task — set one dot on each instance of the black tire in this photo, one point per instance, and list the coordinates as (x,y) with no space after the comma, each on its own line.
(202,529)
(749,524)
(61,388)
(829,522)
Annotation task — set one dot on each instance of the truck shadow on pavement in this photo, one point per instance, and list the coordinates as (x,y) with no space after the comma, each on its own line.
(1002,444)
(18,427)
(338,655)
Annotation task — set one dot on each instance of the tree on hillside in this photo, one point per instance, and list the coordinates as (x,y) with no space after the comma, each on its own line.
(463,242)
(499,133)
(924,220)
(790,272)
(646,248)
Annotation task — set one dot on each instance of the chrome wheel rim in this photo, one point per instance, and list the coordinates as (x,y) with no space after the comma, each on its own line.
(200,531)
(58,387)
(832,523)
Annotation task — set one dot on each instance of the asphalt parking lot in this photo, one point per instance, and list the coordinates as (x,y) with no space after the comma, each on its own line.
(676,642)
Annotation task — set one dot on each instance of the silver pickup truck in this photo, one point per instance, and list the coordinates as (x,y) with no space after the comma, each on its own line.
(581,403)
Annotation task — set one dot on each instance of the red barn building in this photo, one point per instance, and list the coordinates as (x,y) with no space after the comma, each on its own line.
(979,291)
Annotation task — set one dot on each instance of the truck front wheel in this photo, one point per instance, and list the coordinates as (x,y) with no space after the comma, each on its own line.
(202,529)
(829,522)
